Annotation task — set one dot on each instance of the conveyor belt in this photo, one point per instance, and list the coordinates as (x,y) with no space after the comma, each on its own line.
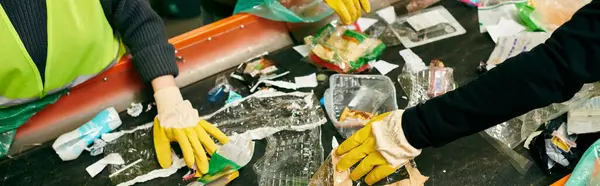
(468,161)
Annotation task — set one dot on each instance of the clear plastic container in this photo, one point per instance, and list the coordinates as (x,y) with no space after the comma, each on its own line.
(368,93)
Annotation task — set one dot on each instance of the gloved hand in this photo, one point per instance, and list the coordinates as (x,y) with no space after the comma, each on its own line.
(178,121)
(349,10)
(382,147)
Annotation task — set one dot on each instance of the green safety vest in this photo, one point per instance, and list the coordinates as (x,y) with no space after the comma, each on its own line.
(81,44)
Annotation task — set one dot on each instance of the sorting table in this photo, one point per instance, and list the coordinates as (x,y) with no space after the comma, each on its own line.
(467,161)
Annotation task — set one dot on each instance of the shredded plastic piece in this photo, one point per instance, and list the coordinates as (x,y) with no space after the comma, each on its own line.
(265,113)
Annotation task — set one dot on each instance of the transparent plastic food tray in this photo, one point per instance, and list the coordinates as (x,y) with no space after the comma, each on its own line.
(369,93)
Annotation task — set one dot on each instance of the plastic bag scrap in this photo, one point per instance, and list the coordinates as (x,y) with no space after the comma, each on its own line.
(326,175)
(266,112)
(515,131)
(291,158)
(507,135)
(426,26)
(491,11)
(548,15)
(285,10)
(352,99)
(343,50)
(587,171)
(13,117)
(511,46)
(425,84)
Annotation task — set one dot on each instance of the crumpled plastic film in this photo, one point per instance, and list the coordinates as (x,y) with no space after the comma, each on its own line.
(416,84)
(265,113)
(326,175)
(286,10)
(516,130)
(507,135)
(291,158)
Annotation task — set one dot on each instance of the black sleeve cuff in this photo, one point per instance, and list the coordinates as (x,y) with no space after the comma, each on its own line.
(413,129)
(155,61)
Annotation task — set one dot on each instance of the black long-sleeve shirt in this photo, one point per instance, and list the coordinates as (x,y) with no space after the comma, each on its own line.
(550,73)
(140,28)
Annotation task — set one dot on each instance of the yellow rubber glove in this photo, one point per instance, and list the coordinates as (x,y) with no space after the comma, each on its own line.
(177,121)
(349,10)
(380,145)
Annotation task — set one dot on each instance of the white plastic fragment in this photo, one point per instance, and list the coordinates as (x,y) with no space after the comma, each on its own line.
(505,27)
(159,173)
(530,138)
(149,107)
(388,14)
(125,168)
(365,23)
(306,81)
(302,50)
(135,109)
(334,143)
(109,137)
(113,158)
(412,61)
(384,67)
(98,147)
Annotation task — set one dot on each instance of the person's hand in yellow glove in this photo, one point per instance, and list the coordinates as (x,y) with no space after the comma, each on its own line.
(382,147)
(177,121)
(349,10)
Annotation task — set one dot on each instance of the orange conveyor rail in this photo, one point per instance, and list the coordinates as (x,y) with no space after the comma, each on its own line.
(206,51)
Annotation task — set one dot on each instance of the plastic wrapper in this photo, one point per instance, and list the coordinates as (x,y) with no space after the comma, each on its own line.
(265,113)
(426,26)
(508,47)
(368,94)
(343,50)
(587,171)
(423,85)
(291,158)
(326,175)
(285,10)
(550,14)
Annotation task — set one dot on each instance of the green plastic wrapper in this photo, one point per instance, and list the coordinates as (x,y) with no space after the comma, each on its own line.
(13,117)
(285,10)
